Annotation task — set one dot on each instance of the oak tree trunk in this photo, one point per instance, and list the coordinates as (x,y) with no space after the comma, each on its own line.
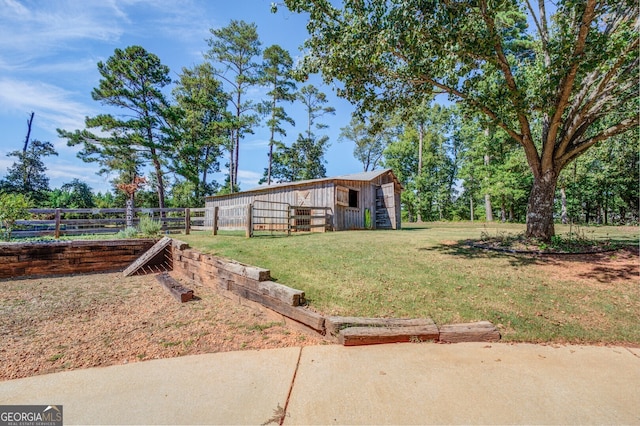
(540,207)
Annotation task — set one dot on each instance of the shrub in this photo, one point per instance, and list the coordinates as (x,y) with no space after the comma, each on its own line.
(12,208)
(128,232)
(367,219)
(150,227)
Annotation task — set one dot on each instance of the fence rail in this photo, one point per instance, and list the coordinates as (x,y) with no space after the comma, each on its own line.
(261,216)
(57,222)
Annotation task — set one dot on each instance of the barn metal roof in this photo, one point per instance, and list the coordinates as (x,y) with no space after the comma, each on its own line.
(362,176)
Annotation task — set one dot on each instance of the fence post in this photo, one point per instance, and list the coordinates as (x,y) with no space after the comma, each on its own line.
(215,220)
(249,231)
(187,221)
(57,231)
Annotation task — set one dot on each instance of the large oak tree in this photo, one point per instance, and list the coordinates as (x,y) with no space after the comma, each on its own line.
(559,87)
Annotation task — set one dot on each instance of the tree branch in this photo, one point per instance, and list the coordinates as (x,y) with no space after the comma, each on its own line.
(612,131)
(526,139)
(543,29)
(566,86)
(604,94)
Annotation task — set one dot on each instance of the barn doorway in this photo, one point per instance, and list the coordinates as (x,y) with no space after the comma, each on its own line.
(386,207)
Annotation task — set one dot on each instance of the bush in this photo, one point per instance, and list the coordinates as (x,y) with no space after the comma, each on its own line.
(367,219)
(12,208)
(127,233)
(150,227)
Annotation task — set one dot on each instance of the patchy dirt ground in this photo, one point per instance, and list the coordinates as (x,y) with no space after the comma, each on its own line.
(601,269)
(70,322)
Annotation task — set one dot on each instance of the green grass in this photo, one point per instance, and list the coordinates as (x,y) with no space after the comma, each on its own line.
(427,271)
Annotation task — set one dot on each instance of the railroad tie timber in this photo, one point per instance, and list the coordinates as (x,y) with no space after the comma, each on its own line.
(177,290)
(481,331)
(354,331)
(355,336)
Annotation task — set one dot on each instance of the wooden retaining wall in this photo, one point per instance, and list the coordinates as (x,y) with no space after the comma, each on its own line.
(69,257)
(248,282)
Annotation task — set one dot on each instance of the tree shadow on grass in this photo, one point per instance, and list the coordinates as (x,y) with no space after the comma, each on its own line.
(466,249)
(604,267)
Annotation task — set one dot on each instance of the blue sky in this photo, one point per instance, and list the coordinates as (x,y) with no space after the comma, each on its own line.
(48,56)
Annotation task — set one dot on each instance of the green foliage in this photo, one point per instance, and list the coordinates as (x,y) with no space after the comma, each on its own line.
(149,227)
(132,79)
(371,135)
(276,74)
(428,175)
(72,195)
(602,185)
(304,159)
(127,233)
(106,200)
(200,124)
(27,174)
(182,194)
(556,93)
(13,207)
(234,49)
(367,219)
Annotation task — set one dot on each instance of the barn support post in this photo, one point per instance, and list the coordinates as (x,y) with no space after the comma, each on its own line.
(249,231)
(215,220)
(187,221)
(57,231)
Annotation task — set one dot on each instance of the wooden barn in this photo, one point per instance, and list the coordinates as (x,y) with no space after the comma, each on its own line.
(347,202)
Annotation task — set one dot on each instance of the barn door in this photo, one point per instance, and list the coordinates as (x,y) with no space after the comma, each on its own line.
(389,194)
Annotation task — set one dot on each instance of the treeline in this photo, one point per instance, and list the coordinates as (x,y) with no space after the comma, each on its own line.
(490,158)
(179,139)
(454,166)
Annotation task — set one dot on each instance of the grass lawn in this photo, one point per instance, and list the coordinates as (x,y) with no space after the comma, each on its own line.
(428,271)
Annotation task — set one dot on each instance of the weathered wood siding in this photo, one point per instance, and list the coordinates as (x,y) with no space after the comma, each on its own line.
(322,193)
(348,218)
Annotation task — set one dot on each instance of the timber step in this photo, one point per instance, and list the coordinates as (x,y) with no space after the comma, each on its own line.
(177,290)
(335,324)
(354,331)
(482,331)
(355,336)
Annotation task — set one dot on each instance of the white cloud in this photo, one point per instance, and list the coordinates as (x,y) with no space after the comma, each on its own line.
(61,171)
(54,105)
(47,27)
(5,163)
(254,144)
(248,179)
(15,8)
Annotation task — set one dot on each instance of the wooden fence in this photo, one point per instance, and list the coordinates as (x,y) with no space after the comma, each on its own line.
(58,222)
